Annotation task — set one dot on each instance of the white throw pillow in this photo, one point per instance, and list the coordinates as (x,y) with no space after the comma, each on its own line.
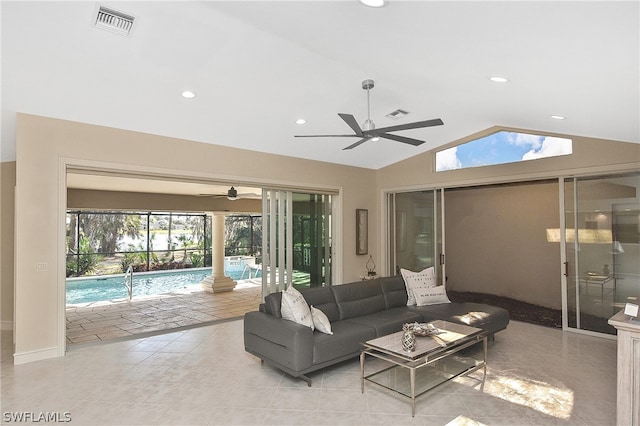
(295,308)
(431,295)
(320,321)
(425,278)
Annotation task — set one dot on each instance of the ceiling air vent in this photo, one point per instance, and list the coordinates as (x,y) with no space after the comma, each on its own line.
(114,21)
(397,114)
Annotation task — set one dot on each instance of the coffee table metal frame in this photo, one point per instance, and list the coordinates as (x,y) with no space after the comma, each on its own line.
(435,355)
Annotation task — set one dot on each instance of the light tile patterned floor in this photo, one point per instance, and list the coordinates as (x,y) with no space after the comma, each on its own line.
(203,376)
(116,319)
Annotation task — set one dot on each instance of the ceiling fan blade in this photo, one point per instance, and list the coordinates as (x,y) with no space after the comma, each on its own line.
(416,125)
(404,139)
(326,136)
(361,141)
(351,121)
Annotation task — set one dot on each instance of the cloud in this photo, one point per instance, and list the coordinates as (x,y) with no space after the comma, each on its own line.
(448,160)
(533,142)
(549,147)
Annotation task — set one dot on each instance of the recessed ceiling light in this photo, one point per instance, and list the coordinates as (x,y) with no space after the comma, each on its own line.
(373,3)
(188,94)
(497,79)
(375,139)
(558,117)
(301,121)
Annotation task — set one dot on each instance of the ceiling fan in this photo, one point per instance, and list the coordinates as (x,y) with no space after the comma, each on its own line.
(369,131)
(232,195)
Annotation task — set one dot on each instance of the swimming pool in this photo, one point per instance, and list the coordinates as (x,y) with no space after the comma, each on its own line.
(85,290)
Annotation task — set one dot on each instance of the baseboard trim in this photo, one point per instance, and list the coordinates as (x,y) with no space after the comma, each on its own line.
(6,325)
(31,356)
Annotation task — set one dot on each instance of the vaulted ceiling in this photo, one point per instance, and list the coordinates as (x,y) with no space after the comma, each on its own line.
(257,67)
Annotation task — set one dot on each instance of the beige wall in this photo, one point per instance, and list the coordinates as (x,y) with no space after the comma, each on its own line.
(589,156)
(44,145)
(497,243)
(470,227)
(7,184)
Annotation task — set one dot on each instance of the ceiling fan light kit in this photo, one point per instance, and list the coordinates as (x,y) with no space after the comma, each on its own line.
(368,131)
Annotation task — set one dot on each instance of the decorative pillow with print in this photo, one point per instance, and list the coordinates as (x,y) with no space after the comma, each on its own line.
(295,308)
(425,278)
(431,295)
(320,321)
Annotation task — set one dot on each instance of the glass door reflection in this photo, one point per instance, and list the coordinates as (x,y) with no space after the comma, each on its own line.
(416,231)
(602,240)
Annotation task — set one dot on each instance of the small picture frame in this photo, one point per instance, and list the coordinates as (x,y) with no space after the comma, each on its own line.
(362,231)
(631,310)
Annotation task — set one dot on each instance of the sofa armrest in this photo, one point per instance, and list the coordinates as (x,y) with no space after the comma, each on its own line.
(278,341)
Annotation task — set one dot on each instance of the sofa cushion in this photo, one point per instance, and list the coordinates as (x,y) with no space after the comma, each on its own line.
(394,290)
(388,321)
(322,298)
(490,318)
(273,303)
(359,298)
(346,339)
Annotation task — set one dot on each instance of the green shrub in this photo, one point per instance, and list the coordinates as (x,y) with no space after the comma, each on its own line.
(196,258)
(84,262)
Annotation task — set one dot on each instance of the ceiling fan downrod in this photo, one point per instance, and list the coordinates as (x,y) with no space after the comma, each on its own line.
(368,124)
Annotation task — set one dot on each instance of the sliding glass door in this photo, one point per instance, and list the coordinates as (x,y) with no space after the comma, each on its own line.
(602,241)
(416,231)
(297,234)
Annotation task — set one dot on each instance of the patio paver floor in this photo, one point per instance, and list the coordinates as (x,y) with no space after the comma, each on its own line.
(98,321)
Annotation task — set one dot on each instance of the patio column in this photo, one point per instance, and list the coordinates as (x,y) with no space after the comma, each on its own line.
(217,282)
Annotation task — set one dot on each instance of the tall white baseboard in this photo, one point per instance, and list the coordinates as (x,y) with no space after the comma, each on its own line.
(39,355)
(6,325)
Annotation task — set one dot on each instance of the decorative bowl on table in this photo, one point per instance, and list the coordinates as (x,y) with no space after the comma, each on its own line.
(424,329)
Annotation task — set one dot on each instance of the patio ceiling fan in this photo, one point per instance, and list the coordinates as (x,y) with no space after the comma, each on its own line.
(232,195)
(369,132)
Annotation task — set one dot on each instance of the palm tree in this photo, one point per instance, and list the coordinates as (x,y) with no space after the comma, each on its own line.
(104,229)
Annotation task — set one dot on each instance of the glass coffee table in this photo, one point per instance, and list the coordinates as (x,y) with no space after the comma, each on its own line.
(456,350)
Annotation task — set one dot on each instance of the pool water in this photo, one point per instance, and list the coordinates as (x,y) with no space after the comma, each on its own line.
(85,290)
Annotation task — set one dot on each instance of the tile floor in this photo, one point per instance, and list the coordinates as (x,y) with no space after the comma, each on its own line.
(99,321)
(203,376)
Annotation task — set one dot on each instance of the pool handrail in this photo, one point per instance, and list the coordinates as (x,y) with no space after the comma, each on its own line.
(129,275)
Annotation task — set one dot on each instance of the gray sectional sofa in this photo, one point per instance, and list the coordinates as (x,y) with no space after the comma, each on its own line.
(358,312)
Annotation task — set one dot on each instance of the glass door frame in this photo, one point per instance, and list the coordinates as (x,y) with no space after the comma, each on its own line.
(567,264)
(570,248)
(438,230)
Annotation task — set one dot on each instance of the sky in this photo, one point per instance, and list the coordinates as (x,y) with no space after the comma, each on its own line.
(502,147)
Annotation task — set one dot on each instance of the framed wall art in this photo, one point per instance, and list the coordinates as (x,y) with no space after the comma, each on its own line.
(362,231)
